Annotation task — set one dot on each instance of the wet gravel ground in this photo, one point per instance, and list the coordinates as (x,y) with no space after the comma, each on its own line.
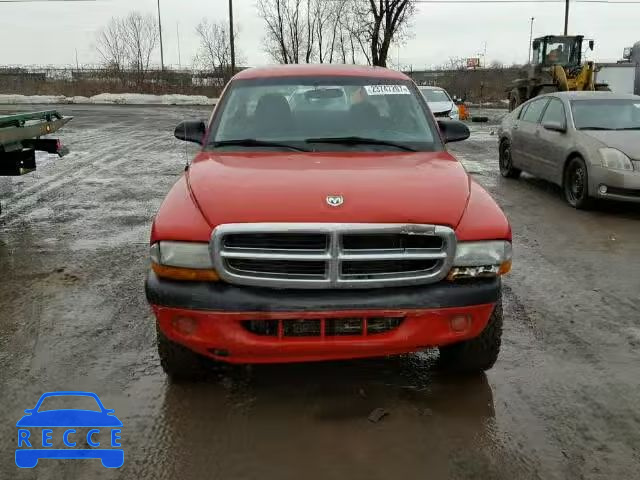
(563,401)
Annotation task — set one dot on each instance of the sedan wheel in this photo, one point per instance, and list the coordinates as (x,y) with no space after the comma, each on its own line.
(576,184)
(507,169)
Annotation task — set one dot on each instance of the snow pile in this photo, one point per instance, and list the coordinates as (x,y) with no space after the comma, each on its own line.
(109,99)
(18,99)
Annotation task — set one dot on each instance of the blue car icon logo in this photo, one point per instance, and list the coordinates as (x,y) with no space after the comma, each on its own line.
(83,433)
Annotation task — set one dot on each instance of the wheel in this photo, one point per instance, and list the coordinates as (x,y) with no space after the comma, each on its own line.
(514,99)
(477,354)
(178,362)
(507,169)
(576,184)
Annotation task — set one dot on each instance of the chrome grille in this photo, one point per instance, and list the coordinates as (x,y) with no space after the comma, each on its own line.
(332,255)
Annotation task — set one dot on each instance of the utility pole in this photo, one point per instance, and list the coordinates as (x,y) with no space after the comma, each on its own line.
(566,18)
(531,38)
(160,29)
(231,41)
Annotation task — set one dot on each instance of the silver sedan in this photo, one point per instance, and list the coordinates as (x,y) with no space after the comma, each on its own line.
(586,142)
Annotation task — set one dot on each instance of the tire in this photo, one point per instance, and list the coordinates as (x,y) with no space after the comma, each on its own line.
(478,354)
(575,184)
(178,362)
(507,170)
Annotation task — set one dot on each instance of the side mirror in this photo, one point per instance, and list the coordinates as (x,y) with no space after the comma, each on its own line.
(536,45)
(453,130)
(554,127)
(591,43)
(190,131)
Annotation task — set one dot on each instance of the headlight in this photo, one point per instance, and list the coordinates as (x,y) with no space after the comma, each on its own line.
(481,259)
(615,159)
(182,261)
(454,113)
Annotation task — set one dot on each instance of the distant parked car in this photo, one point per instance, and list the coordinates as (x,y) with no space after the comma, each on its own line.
(440,102)
(586,142)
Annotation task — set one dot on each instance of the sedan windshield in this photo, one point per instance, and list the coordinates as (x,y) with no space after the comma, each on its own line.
(434,95)
(606,114)
(323,114)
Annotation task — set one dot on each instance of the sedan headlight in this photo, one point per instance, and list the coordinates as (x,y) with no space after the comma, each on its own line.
(454,113)
(615,159)
(481,259)
(182,261)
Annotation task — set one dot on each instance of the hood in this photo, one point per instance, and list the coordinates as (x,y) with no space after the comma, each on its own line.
(437,107)
(627,141)
(421,187)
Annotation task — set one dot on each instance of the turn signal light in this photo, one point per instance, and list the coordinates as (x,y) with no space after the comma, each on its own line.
(458,273)
(185,274)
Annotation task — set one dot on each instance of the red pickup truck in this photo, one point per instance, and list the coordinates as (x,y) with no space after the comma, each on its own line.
(323,218)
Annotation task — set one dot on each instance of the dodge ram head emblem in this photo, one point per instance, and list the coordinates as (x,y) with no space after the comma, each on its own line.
(335,200)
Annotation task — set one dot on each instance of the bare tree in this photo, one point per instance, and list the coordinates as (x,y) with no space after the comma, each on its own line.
(214,53)
(141,38)
(112,48)
(385,21)
(128,43)
(307,31)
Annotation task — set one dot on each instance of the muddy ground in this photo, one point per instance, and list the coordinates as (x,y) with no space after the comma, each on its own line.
(563,401)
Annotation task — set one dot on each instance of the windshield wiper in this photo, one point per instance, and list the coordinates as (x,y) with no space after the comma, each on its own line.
(253,142)
(596,128)
(628,128)
(359,141)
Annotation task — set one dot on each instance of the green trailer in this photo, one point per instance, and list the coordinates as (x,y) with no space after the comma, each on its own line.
(21,136)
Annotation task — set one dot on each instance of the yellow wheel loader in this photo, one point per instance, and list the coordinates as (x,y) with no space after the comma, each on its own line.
(556,66)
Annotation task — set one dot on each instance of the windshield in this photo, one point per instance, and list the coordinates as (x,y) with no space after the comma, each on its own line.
(562,50)
(606,114)
(433,95)
(292,112)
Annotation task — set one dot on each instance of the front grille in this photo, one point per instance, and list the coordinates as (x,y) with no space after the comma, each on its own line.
(386,267)
(277,241)
(322,327)
(290,267)
(326,255)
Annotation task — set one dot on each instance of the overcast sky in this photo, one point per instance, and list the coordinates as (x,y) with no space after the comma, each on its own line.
(50,33)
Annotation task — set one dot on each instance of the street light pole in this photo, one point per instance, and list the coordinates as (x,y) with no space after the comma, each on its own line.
(160,30)
(566,18)
(531,38)
(231,40)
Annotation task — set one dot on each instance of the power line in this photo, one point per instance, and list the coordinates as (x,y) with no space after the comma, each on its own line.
(618,2)
(44,1)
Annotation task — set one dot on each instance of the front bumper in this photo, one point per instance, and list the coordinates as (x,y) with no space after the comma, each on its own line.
(621,185)
(219,312)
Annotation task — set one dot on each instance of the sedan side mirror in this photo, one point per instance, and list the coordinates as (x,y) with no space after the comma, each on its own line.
(591,43)
(190,131)
(554,126)
(453,130)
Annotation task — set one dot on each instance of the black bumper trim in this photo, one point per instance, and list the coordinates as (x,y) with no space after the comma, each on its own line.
(223,297)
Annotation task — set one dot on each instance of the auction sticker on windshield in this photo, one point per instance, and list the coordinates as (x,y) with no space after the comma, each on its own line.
(387,90)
